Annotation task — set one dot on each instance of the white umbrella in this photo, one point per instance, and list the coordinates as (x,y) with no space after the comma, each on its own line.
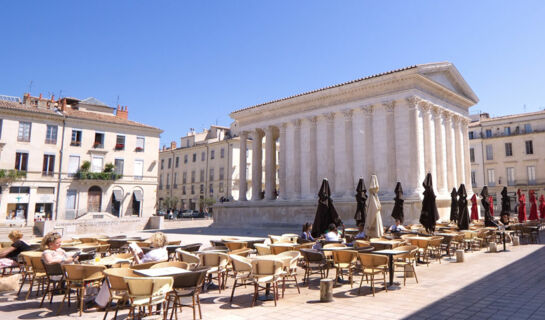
(373,226)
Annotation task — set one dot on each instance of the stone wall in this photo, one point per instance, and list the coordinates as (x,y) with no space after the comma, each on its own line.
(105,227)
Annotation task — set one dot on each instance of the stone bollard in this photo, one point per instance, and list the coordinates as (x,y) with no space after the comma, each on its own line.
(409,271)
(326,290)
(516,240)
(459,255)
(492,247)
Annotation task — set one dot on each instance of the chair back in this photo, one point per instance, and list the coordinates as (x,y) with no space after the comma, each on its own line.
(236,245)
(468,235)
(291,236)
(345,256)
(267,267)
(140,287)
(334,245)
(191,247)
(240,264)
(436,241)
(372,261)
(145,265)
(116,278)
(83,272)
(166,264)
(116,244)
(262,249)
(361,243)
(294,255)
(53,269)
(244,252)
(217,243)
(214,259)
(188,257)
(312,255)
(37,265)
(189,280)
(277,249)
(88,240)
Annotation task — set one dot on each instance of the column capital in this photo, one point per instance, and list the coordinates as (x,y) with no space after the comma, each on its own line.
(257,133)
(312,120)
(368,110)
(436,111)
(269,130)
(389,105)
(283,126)
(426,106)
(414,101)
(296,123)
(465,121)
(329,116)
(347,114)
(447,115)
(243,134)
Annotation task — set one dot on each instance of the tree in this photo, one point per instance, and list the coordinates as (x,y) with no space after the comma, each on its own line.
(206,203)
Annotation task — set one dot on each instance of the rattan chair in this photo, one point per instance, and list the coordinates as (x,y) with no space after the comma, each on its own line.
(79,277)
(115,280)
(145,265)
(345,260)
(38,274)
(371,265)
(279,248)
(217,264)
(266,272)
(186,285)
(262,249)
(406,260)
(290,270)
(147,292)
(176,264)
(188,257)
(314,262)
(242,272)
(235,245)
(54,276)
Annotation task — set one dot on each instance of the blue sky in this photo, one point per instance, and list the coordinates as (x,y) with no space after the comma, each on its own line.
(183,64)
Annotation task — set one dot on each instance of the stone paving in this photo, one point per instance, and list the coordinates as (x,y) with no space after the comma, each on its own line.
(504,285)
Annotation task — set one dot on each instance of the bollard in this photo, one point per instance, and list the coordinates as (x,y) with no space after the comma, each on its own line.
(459,255)
(492,247)
(516,240)
(326,290)
(409,271)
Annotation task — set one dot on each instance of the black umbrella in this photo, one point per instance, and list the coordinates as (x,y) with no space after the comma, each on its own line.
(505,202)
(429,214)
(463,221)
(454,205)
(488,220)
(325,213)
(397,212)
(361,198)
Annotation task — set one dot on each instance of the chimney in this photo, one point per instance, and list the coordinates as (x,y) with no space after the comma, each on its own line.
(26,98)
(63,104)
(122,112)
(173,145)
(41,96)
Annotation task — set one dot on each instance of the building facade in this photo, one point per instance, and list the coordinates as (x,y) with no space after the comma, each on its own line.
(398,125)
(74,157)
(508,151)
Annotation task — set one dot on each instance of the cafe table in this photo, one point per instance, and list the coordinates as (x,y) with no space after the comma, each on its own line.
(388,244)
(359,249)
(161,272)
(390,254)
(109,261)
(503,232)
(448,238)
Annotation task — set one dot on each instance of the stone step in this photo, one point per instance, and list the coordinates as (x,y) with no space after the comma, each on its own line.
(28,232)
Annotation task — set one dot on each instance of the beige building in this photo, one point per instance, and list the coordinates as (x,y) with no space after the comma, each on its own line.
(51,142)
(508,151)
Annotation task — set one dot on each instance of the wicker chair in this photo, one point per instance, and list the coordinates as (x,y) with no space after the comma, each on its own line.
(145,265)
(79,277)
(115,280)
(262,249)
(176,264)
(314,262)
(147,292)
(373,264)
(186,285)
(266,272)
(188,257)
(290,270)
(217,264)
(235,245)
(38,274)
(54,276)
(242,272)
(406,260)
(345,260)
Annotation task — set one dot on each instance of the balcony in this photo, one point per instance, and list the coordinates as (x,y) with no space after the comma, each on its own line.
(482,135)
(9,176)
(75,143)
(105,176)
(119,146)
(139,149)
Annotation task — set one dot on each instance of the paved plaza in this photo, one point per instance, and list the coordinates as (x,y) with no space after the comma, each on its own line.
(504,285)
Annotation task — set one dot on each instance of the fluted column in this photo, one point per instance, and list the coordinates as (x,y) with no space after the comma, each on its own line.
(359,139)
(340,155)
(402,137)
(467,162)
(451,152)
(429,143)
(290,160)
(312,164)
(381,148)
(458,136)
(391,172)
(243,185)
(257,167)
(440,150)
(321,150)
(282,194)
(418,171)
(305,159)
(296,152)
(330,145)
(270,163)
(369,143)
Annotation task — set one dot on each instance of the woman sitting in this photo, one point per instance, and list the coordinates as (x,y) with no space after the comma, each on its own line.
(8,256)
(332,234)
(306,235)
(53,253)
(157,253)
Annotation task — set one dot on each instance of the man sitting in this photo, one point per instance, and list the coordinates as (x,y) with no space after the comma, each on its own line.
(397,227)
(332,234)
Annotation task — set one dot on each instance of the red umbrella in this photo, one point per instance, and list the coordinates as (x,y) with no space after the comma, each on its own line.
(522,206)
(542,206)
(474,212)
(533,205)
(491,200)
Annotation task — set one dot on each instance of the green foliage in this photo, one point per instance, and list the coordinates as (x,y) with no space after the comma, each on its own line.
(85,166)
(207,202)
(170,203)
(82,175)
(109,167)
(9,176)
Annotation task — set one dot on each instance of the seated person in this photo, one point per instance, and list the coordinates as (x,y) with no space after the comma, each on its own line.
(53,253)
(397,227)
(306,235)
(504,220)
(8,256)
(361,234)
(332,234)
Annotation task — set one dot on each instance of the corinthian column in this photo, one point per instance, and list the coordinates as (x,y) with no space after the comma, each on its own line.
(467,162)
(349,160)
(270,163)
(296,152)
(391,172)
(451,152)
(243,185)
(282,163)
(440,150)
(418,171)
(369,143)
(340,153)
(322,149)
(330,147)
(429,143)
(359,139)
(459,142)
(257,167)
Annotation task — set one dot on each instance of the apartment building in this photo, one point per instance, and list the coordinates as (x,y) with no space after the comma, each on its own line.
(204,166)
(508,151)
(64,159)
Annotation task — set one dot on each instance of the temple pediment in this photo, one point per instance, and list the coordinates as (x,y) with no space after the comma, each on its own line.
(446,75)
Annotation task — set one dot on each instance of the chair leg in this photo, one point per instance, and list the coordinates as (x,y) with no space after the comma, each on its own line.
(414,271)
(255,294)
(275,288)
(296,283)
(199,305)
(283,286)
(66,293)
(194,311)
(373,283)
(233,291)
(25,275)
(45,293)
(31,284)
(82,295)
(385,281)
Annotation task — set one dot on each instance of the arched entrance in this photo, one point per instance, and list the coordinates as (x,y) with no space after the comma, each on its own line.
(94,199)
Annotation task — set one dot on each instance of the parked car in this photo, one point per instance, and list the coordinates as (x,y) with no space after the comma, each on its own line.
(197,214)
(188,213)
(161,213)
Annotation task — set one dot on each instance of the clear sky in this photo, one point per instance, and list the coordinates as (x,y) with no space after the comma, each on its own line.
(184,64)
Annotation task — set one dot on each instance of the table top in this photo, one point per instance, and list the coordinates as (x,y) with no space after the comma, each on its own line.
(161,272)
(386,241)
(419,238)
(390,252)
(283,244)
(108,261)
(446,234)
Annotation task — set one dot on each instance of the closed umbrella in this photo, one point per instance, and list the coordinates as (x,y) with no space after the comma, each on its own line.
(325,213)
(485,200)
(373,224)
(463,221)
(542,206)
(454,205)
(361,199)
(491,200)
(505,202)
(397,212)
(429,214)
(474,210)
(533,206)
(522,206)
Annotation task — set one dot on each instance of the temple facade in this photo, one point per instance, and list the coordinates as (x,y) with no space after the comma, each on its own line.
(398,125)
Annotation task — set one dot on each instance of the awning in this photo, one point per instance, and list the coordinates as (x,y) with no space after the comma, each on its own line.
(118,195)
(138,195)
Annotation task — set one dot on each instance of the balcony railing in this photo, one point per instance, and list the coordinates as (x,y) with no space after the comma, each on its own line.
(119,146)
(8,176)
(98,176)
(51,141)
(482,135)
(75,143)
(98,145)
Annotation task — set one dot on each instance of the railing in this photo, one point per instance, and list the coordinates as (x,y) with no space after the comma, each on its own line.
(75,143)
(51,141)
(98,176)
(8,176)
(482,135)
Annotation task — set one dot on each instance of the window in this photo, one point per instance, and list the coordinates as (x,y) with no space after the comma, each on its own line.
(472,154)
(489,152)
(488,133)
(529,147)
(194,157)
(527,128)
(169,163)
(51,134)
(175,182)
(76,138)
(203,156)
(140,143)
(211,177)
(221,187)
(222,153)
(212,154)
(99,140)
(508,149)
(19,190)
(183,190)
(73,165)
(119,163)
(97,164)
(473,179)
(184,177)
(507,131)
(201,189)
(161,182)
(201,176)
(185,158)
(168,180)
(193,176)
(491,178)
(221,173)
(211,188)
(471,135)
(138,169)
(48,165)
(510,176)
(162,164)
(531,175)
(177,162)
(21,161)
(192,189)
(71,196)
(120,142)
(24,131)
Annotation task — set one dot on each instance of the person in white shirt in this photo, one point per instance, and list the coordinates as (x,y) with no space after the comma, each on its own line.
(361,233)
(332,234)
(397,227)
